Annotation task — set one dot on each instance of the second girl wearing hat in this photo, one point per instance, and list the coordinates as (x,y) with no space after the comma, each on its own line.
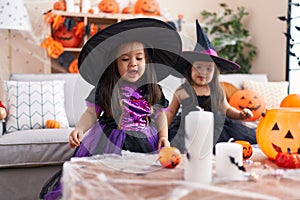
(202,88)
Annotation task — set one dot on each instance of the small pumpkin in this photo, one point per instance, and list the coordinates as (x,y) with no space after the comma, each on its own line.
(248,99)
(169,157)
(292,100)
(288,160)
(247,148)
(147,7)
(229,89)
(52,124)
(127,10)
(109,6)
(73,67)
(67,38)
(278,130)
(59,5)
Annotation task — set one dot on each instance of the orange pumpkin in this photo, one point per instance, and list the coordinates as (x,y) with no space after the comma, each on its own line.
(52,124)
(247,148)
(229,89)
(109,6)
(248,99)
(278,130)
(147,7)
(169,157)
(73,67)
(67,38)
(55,49)
(292,100)
(127,10)
(59,5)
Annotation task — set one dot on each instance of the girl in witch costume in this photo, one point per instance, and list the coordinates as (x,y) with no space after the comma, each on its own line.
(201,68)
(126,107)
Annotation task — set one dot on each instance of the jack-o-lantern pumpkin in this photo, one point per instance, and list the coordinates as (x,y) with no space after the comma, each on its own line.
(147,7)
(248,99)
(247,148)
(278,130)
(67,38)
(109,6)
(292,100)
(169,157)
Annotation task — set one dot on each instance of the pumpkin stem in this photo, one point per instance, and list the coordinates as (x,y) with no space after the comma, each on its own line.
(289,150)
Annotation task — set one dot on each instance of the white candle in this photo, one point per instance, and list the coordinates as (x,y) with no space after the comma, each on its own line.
(226,167)
(199,144)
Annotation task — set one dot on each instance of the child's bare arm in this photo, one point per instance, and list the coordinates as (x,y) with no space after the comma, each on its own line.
(86,121)
(162,126)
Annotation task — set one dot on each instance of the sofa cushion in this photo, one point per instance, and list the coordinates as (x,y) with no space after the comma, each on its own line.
(32,103)
(237,79)
(76,90)
(35,147)
(272,92)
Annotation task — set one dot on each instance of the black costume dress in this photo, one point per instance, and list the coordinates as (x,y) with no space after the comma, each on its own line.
(224,128)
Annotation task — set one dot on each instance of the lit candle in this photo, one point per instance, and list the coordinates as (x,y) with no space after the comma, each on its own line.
(229,157)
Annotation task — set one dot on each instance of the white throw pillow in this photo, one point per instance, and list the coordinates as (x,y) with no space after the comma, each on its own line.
(31,104)
(272,92)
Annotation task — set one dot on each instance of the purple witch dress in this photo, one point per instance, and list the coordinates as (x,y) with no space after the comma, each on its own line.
(135,130)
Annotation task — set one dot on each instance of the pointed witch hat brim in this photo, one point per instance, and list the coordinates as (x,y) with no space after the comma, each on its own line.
(205,51)
(158,37)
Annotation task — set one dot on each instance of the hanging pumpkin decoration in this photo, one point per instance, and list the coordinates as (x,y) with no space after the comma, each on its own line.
(169,157)
(52,124)
(288,160)
(109,6)
(247,148)
(278,130)
(67,38)
(147,7)
(248,99)
(55,49)
(292,100)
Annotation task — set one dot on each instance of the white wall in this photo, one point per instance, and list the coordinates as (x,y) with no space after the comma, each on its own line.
(265,28)
(262,22)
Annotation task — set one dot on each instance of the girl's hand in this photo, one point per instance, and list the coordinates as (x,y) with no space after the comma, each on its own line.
(245,114)
(163,142)
(75,137)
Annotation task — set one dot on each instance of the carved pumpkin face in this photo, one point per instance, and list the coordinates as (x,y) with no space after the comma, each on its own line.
(292,100)
(169,157)
(109,6)
(279,130)
(248,99)
(67,37)
(147,7)
(247,148)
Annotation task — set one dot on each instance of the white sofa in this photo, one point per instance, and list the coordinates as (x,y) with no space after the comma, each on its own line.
(29,157)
